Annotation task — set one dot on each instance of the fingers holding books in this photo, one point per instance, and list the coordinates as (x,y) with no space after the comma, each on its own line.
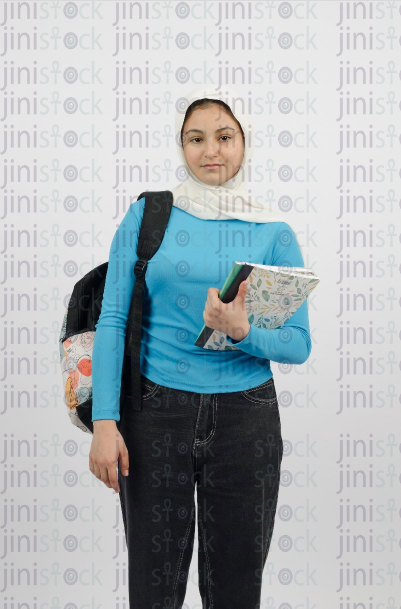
(230,318)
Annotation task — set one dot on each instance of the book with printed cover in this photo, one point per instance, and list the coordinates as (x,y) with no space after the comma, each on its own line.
(274,293)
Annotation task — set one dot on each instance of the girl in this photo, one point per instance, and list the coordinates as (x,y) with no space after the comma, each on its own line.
(209,418)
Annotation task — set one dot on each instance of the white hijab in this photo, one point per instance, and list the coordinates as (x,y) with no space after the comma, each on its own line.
(233,199)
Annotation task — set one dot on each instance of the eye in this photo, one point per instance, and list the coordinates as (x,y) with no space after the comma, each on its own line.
(199,138)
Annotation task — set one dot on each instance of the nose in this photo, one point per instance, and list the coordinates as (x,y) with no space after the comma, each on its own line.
(212,150)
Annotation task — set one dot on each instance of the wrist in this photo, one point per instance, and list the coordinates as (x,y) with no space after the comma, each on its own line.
(104,423)
(241,333)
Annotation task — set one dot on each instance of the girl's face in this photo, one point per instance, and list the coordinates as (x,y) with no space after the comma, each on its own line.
(213,145)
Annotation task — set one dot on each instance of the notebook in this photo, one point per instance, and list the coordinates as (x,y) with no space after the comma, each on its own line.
(274,293)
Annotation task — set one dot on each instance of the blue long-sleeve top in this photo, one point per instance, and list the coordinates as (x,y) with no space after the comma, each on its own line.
(194,255)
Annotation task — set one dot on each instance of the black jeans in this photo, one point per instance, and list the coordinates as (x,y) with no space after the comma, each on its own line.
(230,446)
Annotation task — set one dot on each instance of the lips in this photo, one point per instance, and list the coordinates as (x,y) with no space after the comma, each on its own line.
(212,166)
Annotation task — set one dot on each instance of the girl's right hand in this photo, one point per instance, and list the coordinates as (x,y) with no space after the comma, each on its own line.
(107,446)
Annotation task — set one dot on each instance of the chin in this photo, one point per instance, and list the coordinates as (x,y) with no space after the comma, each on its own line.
(212,178)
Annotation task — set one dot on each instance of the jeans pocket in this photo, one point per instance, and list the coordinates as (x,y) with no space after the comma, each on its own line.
(164,402)
(264,394)
(167,405)
(149,389)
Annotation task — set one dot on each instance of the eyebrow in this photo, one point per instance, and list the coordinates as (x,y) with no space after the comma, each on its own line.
(217,130)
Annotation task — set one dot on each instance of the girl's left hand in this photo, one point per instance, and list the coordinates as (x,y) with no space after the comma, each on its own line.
(230,318)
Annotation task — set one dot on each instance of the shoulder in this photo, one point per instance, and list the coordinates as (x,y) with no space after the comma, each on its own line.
(285,236)
(134,214)
(283,226)
(136,207)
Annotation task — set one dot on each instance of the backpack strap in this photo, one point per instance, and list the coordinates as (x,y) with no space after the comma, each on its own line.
(156,215)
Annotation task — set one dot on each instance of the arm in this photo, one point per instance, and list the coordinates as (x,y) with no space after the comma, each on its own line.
(291,343)
(109,342)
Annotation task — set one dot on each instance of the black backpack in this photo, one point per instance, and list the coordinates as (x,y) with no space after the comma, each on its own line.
(83,311)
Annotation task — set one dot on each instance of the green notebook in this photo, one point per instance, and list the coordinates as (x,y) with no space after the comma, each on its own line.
(274,293)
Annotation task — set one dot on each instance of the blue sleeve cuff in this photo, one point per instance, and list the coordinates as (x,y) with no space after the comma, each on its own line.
(244,341)
(106,416)
(274,345)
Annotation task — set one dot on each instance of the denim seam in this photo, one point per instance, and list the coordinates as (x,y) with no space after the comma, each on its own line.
(210,436)
(272,513)
(199,414)
(196,429)
(181,557)
(247,394)
(152,391)
(273,510)
(252,398)
(207,559)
